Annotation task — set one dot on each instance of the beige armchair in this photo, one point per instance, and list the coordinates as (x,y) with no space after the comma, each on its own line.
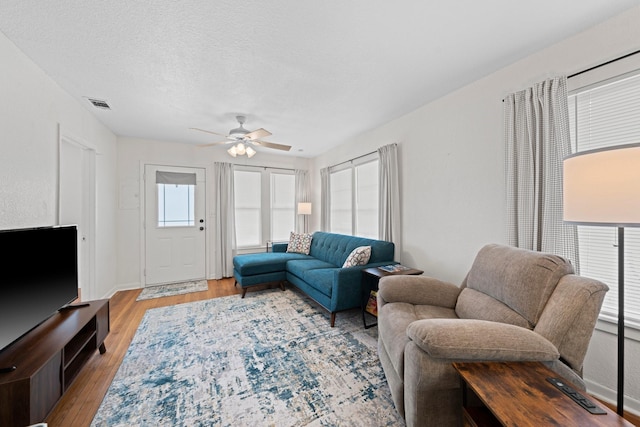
(514,305)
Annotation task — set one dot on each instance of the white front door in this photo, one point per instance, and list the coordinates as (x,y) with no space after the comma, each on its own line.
(175,244)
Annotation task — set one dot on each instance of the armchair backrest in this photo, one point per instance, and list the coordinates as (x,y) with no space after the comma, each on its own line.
(537,291)
(510,285)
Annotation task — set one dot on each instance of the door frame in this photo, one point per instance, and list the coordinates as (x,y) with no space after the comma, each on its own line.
(88,214)
(142,212)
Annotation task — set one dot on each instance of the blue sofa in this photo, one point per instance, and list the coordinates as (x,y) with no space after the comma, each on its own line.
(320,274)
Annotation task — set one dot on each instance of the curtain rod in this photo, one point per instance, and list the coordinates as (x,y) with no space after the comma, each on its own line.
(264,167)
(351,160)
(603,64)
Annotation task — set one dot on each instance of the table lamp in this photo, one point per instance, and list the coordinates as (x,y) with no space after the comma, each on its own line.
(602,187)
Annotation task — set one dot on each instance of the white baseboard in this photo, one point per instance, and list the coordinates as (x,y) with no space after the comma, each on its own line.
(605,394)
(122,287)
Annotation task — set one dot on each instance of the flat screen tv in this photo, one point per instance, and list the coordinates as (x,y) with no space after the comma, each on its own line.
(39,275)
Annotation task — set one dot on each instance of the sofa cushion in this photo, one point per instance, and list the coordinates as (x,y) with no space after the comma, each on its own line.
(358,256)
(300,267)
(264,262)
(521,279)
(321,279)
(335,248)
(299,243)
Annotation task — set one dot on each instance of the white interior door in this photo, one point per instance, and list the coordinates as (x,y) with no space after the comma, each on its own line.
(175,244)
(76,205)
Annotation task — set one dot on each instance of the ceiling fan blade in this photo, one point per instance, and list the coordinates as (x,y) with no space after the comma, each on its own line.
(211,132)
(258,133)
(211,144)
(272,145)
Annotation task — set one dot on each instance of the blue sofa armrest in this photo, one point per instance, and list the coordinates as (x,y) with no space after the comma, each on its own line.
(347,288)
(279,247)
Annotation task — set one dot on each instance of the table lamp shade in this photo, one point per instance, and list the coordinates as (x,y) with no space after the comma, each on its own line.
(602,187)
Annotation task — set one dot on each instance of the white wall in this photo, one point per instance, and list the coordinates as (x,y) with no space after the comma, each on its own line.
(133,154)
(32,108)
(452,163)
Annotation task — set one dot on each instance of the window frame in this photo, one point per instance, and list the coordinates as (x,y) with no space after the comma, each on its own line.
(352,166)
(612,74)
(266,198)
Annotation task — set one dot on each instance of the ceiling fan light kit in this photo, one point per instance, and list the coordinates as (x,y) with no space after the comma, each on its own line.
(240,150)
(244,139)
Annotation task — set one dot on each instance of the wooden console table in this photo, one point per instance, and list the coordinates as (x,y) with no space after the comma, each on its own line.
(518,394)
(43,363)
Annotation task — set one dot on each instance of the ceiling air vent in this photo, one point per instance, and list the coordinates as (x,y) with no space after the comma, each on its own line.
(98,103)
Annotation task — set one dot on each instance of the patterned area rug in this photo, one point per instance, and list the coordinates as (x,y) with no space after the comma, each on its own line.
(171,289)
(270,359)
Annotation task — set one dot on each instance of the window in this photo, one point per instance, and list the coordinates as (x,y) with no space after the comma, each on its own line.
(341,206)
(604,115)
(247,193)
(264,205)
(354,198)
(283,196)
(175,199)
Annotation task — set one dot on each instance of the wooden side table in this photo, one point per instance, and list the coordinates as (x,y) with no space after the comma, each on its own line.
(370,278)
(518,394)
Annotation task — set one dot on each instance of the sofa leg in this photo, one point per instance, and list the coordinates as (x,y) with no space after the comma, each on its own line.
(282,285)
(333,319)
(244,292)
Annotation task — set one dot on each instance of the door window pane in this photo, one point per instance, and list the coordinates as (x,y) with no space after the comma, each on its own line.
(176,205)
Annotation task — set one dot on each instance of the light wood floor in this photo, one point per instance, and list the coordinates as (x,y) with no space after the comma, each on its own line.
(80,403)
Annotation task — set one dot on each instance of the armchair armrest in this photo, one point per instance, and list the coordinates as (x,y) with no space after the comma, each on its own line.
(418,290)
(470,339)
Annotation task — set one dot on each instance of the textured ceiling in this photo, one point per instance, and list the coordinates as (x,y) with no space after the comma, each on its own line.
(314,73)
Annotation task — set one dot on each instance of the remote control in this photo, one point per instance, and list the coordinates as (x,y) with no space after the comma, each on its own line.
(576,397)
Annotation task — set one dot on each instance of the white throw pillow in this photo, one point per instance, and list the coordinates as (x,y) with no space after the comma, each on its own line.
(299,243)
(358,256)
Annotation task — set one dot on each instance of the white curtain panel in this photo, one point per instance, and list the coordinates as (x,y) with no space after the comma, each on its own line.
(302,195)
(325,204)
(389,218)
(537,139)
(225,230)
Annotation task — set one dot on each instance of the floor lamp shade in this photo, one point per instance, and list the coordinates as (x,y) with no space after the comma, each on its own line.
(602,187)
(304,208)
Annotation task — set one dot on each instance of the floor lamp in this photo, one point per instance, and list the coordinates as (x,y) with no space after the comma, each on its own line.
(304,208)
(602,187)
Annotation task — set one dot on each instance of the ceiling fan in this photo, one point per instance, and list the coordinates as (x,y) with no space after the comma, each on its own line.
(242,137)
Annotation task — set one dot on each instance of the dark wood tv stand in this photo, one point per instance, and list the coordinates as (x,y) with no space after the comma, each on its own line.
(47,360)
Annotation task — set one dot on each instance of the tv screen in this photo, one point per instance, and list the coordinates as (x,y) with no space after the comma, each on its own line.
(39,275)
